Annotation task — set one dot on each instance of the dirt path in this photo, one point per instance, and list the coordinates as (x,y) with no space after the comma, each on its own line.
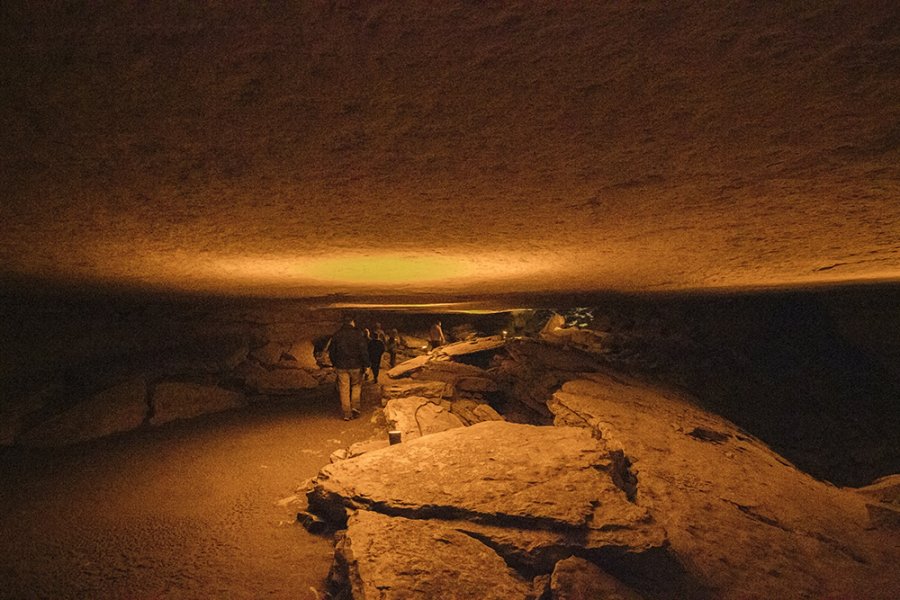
(190,510)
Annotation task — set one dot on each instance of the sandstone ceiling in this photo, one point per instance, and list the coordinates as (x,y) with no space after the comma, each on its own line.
(301,148)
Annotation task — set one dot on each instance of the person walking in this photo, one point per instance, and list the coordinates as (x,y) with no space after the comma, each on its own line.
(349,355)
(436,335)
(376,349)
(393,346)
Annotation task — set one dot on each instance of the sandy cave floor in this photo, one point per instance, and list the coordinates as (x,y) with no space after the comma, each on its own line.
(196,509)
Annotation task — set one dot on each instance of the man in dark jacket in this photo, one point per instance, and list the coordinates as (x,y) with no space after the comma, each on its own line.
(349,355)
(376,349)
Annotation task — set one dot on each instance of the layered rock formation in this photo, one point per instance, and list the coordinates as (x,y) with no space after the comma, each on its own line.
(155,363)
(656,497)
(500,484)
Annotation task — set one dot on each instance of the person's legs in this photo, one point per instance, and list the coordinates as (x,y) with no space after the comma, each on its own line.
(344,389)
(355,376)
(376,367)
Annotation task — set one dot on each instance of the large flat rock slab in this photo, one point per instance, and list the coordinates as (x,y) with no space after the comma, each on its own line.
(723,495)
(482,344)
(381,557)
(425,389)
(493,472)
(415,417)
(408,367)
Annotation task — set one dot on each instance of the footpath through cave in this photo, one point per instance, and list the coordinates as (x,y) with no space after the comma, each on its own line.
(199,509)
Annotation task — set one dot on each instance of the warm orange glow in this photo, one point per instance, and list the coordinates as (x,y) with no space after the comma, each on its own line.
(353,272)
(389,269)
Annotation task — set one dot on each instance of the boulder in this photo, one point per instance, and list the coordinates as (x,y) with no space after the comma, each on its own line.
(408,367)
(583,339)
(414,417)
(484,412)
(276,381)
(303,354)
(392,557)
(270,354)
(482,344)
(414,343)
(441,369)
(493,473)
(471,412)
(175,400)
(554,323)
(296,355)
(722,495)
(534,494)
(478,385)
(117,409)
(423,389)
(360,448)
(885,489)
(578,579)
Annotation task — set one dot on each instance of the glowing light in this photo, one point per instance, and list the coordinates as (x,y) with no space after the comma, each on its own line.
(387,269)
(428,272)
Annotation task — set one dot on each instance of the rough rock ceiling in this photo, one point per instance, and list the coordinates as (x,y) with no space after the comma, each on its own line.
(302,148)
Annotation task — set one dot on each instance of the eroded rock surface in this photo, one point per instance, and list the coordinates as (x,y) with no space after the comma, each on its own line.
(448,371)
(534,495)
(723,495)
(117,409)
(578,579)
(175,400)
(408,367)
(424,389)
(381,557)
(493,472)
(415,417)
(277,381)
(471,412)
(481,344)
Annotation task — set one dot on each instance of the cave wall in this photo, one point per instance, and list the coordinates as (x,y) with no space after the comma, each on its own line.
(814,373)
(79,366)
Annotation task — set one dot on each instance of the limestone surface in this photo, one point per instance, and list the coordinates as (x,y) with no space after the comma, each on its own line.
(471,412)
(494,472)
(476,384)
(176,400)
(277,381)
(415,417)
(723,495)
(441,369)
(382,558)
(117,409)
(408,367)
(424,389)
(482,344)
(578,579)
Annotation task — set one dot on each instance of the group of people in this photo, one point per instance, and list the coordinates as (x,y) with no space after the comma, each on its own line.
(353,352)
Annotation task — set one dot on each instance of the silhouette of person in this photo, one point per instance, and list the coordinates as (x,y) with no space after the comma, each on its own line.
(376,349)
(349,355)
(436,335)
(393,346)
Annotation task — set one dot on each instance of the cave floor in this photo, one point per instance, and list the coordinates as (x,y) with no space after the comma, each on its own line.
(196,509)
